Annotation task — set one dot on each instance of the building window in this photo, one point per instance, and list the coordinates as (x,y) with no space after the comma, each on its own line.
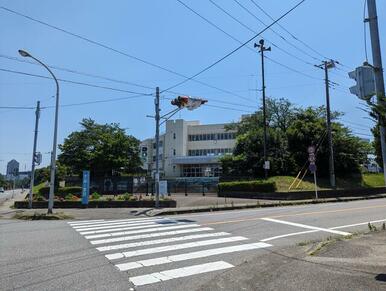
(174,135)
(174,152)
(212,136)
(210,152)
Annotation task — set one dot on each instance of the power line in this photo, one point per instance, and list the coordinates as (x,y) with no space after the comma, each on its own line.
(237,48)
(274,31)
(253,31)
(77,72)
(286,30)
(15,107)
(97,101)
(118,51)
(70,81)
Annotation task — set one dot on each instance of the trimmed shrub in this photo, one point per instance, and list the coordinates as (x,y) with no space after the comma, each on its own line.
(126,197)
(61,192)
(248,186)
(70,197)
(95,196)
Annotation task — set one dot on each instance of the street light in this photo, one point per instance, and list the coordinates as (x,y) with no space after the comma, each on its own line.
(54,145)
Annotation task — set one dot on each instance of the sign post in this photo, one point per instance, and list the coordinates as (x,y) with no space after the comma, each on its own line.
(312,166)
(163,188)
(85,187)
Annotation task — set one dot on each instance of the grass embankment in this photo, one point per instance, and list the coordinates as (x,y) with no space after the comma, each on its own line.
(373,180)
(38,187)
(368,180)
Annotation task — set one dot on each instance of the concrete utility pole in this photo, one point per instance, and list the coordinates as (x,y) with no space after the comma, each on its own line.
(31,184)
(262,49)
(157,120)
(378,73)
(325,66)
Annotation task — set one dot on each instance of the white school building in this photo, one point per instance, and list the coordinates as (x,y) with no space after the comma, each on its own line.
(189,149)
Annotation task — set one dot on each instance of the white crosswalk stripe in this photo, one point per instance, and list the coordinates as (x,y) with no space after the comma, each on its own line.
(183,242)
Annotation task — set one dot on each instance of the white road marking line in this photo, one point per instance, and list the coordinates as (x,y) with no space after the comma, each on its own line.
(141,252)
(161,241)
(111,234)
(150,235)
(120,222)
(357,224)
(124,224)
(179,273)
(84,221)
(288,234)
(190,256)
(113,229)
(91,222)
(307,226)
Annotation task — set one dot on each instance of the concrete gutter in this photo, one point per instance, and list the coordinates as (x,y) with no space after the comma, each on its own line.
(258,204)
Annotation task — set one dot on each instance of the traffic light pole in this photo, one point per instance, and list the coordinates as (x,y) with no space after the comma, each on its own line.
(31,184)
(157,125)
(262,49)
(378,72)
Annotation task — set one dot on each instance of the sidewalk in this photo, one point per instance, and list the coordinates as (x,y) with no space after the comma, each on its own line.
(185,204)
(358,263)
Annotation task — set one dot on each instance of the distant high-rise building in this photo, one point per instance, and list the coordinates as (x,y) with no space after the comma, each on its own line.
(12,169)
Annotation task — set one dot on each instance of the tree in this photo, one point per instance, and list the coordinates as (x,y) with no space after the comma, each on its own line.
(101,148)
(290,131)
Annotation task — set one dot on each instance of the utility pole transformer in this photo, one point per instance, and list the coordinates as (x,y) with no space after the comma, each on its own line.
(157,120)
(378,74)
(262,49)
(331,167)
(31,184)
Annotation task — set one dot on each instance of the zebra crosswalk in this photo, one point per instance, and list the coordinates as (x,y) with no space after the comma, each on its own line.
(149,249)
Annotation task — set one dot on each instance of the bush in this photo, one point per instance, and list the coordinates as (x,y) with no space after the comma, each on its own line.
(248,186)
(70,197)
(95,196)
(126,197)
(61,192)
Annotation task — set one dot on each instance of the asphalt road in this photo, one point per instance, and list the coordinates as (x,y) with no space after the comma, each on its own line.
(182,252)
(8,194)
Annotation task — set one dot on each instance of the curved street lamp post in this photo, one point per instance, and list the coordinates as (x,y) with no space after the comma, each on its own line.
(54,146)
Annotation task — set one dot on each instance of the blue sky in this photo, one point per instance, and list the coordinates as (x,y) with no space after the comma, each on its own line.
(169,35)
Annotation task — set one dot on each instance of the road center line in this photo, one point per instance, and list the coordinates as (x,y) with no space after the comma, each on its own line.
(307,226)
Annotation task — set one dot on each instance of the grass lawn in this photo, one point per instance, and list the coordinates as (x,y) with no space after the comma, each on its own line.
(373,180)
(38,187)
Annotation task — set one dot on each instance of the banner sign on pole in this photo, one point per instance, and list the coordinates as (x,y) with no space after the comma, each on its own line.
(163,187)
(85,187)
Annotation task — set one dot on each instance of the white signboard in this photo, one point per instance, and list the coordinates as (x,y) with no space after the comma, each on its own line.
(163,187)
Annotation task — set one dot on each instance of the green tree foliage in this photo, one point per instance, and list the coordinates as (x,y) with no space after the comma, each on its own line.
(43,174)
(101,148)
(290,131)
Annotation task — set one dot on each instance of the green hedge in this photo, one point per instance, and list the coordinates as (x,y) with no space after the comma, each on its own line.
(247,186)
(61,192)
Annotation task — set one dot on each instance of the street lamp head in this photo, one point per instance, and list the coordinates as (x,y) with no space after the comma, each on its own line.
(24,53)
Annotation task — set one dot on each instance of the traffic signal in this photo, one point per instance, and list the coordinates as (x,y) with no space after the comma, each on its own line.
(188,102)
(38,158)
(365,87)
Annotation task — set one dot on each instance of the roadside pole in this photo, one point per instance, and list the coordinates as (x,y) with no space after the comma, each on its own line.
(378,73)
(31,184)
(157,120)
(316,186)
(325,66)
(262,50)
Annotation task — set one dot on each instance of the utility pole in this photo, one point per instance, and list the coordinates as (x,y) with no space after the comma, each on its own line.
(325,66)
(378,73)
(157,120)
(262,49)
(31,184)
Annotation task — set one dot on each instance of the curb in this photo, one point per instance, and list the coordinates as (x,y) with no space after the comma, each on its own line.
(257,205)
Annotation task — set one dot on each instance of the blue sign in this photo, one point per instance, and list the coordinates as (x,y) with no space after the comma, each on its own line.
(85,187)
(312,167)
